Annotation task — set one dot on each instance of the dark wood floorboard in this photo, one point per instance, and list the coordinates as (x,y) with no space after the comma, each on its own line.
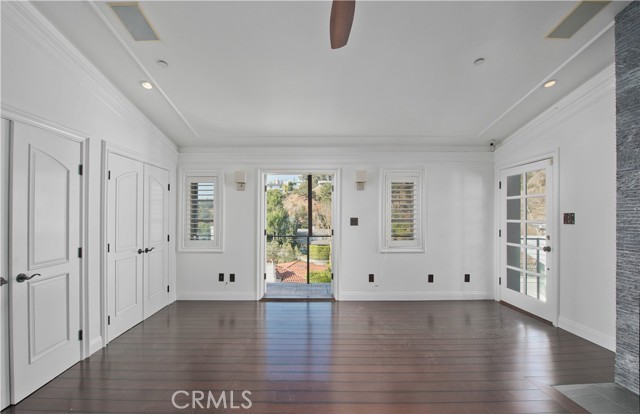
(332,357)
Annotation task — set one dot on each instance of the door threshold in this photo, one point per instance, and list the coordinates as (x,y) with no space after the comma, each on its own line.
(508,305)
(296,299)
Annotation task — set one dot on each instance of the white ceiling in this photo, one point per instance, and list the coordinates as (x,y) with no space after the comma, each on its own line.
(262,73)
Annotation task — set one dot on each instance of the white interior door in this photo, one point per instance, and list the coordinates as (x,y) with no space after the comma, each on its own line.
(45,268)
(4,263)
(156,226)
(527,273)
(125,254)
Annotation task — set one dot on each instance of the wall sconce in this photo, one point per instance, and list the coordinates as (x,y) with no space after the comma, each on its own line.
(361,178)
(240,178)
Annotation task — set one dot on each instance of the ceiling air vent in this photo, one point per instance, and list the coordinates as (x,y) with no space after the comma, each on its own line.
(135,21)
(578,17)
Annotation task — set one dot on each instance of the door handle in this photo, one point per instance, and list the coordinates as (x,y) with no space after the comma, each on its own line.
(3,281)
(22,277)
(546,249)
(140,251)
(147,250)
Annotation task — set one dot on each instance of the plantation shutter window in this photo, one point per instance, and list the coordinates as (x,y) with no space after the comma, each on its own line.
(201,213)
(402,211)
(201,210)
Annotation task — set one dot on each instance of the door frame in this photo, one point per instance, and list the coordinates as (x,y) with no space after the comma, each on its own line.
(554,224)
(14,115)
(110,148)
(261,179)
(5,374)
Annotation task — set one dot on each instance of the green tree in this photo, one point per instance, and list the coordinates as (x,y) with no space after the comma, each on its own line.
(278,221)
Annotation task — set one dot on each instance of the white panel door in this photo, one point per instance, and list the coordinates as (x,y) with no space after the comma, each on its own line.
(126,249)
(45,268)
(4,264)
(527,273)
(156,226)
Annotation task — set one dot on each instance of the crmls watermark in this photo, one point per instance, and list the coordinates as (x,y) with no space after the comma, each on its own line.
(204,400)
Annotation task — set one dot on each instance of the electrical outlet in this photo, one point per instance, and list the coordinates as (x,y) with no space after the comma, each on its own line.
(220,277)
(430,278)
(370,277)
(232,277)
(467,277)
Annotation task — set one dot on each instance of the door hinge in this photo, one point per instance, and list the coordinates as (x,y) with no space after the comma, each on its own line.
(168,187)
(265,276)
(331,276)
(265,188)
(109,175)
(500,281)
(168,237)
(80,335)
(108,247)
(168,289)
(108,320)
(265,232)
(499,233)
(80,169)
(80,252)
(499,185)
(332,232)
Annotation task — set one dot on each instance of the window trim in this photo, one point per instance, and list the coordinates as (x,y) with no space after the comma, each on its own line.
(201,246)
(386,178)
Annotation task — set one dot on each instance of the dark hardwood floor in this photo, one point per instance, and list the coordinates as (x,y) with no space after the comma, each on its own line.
(331,357)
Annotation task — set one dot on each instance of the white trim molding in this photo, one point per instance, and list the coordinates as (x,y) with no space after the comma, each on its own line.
(95,345)
(416,296)
(35,28)
(587,333)
(587,95)
(247,295)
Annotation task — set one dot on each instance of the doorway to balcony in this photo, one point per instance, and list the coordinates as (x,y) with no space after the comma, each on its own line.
(298,233)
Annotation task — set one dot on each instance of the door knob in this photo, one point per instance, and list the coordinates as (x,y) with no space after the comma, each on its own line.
(147,250)
(22,277)
(546,249)
(3,281)
(140,251)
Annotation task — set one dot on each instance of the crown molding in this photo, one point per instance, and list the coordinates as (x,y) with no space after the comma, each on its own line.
(331,157)
(585,96)
(34,27)
(549,76)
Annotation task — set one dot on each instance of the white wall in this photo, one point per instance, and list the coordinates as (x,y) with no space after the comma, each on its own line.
(581,127)
(459,206)
(45,79)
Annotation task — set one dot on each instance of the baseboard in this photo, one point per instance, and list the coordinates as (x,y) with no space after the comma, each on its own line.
(587,333)
(95,345)
(400,296)
(216,296)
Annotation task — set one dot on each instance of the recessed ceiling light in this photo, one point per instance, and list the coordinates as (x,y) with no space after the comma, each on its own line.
(550,83)
(162,64)
(146,84)
(478,61)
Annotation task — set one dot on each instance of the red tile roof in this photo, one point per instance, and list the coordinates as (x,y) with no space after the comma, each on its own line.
(296,272)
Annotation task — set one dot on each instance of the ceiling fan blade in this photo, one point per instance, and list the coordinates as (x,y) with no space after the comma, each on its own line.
(341,20)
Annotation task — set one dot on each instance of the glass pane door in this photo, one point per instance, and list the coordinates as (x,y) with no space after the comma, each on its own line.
(298,235)
(526,244)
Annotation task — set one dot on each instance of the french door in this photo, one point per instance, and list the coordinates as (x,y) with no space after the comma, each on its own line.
(298,235)
(45,257)
(528,278)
